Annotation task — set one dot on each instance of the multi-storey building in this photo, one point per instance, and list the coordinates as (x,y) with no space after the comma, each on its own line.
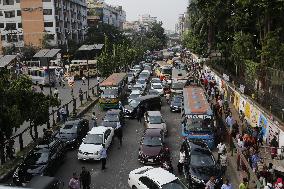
(100,12)
(182,24)
(147,18)
(26,22)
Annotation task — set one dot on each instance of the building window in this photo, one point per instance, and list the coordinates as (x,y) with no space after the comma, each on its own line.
(20,25)
(46,0)
(48,24)
(8,2)
(17,1)
(10,26)
(1,25)
(9,14)
(19,13)
(1,13)
(47,11)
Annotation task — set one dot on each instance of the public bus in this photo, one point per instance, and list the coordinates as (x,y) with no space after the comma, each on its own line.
(40,75)
(197,116)
(79,68)
(112,90)
(163,70)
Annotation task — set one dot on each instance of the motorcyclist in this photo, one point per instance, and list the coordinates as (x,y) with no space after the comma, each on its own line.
(94,118)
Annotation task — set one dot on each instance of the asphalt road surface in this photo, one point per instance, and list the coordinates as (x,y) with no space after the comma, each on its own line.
(121,161)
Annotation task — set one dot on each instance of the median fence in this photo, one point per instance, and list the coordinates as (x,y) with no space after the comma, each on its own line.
(57,116)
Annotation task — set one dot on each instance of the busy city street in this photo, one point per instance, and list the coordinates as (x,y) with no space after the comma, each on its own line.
(119,94)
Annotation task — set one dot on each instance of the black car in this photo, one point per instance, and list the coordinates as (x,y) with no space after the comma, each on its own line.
(44,159)
(200,164)
(45,182)
(175,103)
(73,132)
(113,118)
(147,103)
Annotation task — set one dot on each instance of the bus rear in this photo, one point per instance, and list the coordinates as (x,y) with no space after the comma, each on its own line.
(197,116)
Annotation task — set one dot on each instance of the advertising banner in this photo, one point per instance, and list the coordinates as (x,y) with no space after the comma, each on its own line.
(237,101)
(263,123)
(247,110)
(254,116)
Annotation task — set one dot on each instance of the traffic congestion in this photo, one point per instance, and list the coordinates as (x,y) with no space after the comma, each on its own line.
(137,99)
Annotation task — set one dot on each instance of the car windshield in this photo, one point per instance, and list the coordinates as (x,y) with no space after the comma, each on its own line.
(201,158)
(132,96)
(199,125)
(178,85)
(94,139)
(156,80)
(141,81)
(68,126)
(177,99)
(152,141)
(134,103)
(167,71)
(139,88)
(37,158)
(176,184)
(111,118)
(109,93)
(153,92)
(144,75)
(130,75)
(157,86)
(155,119)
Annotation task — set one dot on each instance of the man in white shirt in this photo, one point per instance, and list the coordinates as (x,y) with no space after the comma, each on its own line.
(221,149)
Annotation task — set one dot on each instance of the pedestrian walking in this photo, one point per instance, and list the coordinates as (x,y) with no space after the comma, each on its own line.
(83,80)
(94,118)
(63,114)
(85,178)
(103,157)
(119,134)
(226,184)
(139,114)
(221,149)
(211,183)
(274,145)
(223,162)
(55,93)
(41,87)
(181,160)
(74,182)
(244,184)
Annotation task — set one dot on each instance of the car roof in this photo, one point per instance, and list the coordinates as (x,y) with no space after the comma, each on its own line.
(156,83)
(72,122)
(197,145)
(155,175)
(113,111)
(147,97)
(98,130)
(153,132)
(154,113)
(135,92)
(41,182)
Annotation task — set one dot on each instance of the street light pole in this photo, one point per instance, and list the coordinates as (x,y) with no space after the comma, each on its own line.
(88,94)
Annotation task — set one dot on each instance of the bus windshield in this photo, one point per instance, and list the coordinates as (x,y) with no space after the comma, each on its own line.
(198,125)
(109,93)
(167,71)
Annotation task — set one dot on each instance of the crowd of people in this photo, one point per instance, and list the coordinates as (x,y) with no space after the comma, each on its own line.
(247,138)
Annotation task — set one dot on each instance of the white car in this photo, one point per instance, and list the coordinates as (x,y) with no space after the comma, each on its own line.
(139,87)
(148,177)
(91,147)
(134,94)
(158,87)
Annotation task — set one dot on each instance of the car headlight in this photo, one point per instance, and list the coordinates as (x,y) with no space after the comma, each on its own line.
(80,152)
(96,153)
(195,179)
